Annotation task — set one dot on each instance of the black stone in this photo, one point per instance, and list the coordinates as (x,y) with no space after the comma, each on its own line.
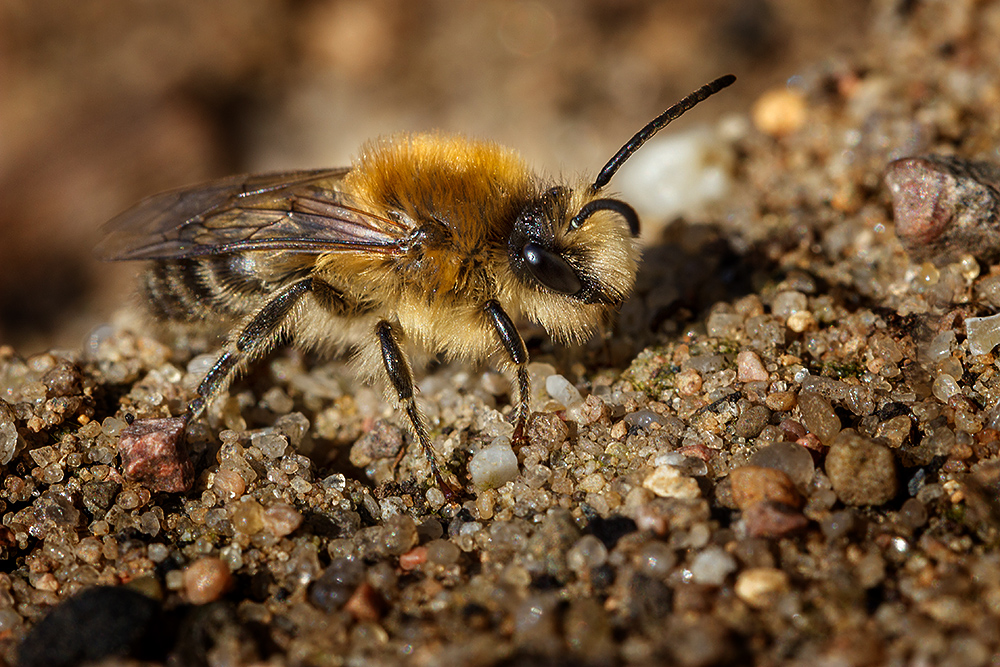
(94,624)
(612,529)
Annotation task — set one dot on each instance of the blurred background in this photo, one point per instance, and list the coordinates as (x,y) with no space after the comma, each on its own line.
(105,102)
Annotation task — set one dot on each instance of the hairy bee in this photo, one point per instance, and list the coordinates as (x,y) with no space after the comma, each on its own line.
(428,242)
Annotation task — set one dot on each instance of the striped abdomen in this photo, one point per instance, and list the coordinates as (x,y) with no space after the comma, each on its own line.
(213,288)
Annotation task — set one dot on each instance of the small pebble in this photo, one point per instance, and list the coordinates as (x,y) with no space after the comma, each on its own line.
(384,441)
(819,416)
(562,390)
(896,431)
(112,426)
(442,552)
(780,401)
(749,367)
(400,534)
(688,382)
(800,321)
(668,481)
(293,426)
(335,586)
(753,484)
(588,552)
(271,445)
(277,401)
(547,429)
(712,566)
(248,517)
(493,466)
(8,433)
(913,513)
(655,559)
(154,454)
(752,421)
(772,520)
(862,471)
(760,587)
(944,387)
(792,430)
(413,558)
(643,419)
(983,333)
(789,457)
(788,302)
(206,579)
(63,380)
(228,484)
(945,207)
(281,519)
(779,112)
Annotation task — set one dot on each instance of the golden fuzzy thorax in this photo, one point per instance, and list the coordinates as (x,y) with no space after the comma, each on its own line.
(459,200)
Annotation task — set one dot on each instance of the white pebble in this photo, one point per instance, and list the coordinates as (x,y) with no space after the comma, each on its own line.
(562,390)
(667,481)
(493,466)
(712,566)
(983,333)
(788,302)
(760,587)
(939,348)
(271,445)
(944,387)
(112,426)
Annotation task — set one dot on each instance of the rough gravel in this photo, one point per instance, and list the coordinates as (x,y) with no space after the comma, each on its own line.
(787,451)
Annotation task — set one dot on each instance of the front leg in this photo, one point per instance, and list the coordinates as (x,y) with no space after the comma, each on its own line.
(512,342)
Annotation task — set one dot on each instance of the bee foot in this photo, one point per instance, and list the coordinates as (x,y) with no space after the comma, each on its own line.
(452,494)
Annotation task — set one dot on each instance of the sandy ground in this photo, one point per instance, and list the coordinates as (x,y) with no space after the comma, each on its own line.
(785,450)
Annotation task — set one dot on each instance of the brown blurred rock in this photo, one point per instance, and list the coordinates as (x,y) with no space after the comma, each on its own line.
(754,484)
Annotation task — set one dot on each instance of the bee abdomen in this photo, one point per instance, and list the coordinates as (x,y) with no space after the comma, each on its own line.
(193,290)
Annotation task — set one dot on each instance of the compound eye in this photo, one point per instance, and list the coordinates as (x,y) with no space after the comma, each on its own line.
(550,269)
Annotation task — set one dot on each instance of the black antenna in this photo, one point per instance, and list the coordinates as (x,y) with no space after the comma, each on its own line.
(656,125)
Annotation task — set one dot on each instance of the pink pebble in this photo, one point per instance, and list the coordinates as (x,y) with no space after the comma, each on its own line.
(154,454)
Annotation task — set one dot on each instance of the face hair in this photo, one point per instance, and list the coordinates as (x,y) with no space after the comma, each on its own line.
(657,124)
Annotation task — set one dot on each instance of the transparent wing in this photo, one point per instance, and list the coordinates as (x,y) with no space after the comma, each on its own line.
(302,211)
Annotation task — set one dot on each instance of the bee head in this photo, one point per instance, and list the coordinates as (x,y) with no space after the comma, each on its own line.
(574,250)
(561,246)
(574,257)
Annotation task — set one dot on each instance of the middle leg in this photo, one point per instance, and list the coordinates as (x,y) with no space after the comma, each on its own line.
(401,379)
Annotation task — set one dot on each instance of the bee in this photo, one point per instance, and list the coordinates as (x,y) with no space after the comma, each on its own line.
(427,243)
